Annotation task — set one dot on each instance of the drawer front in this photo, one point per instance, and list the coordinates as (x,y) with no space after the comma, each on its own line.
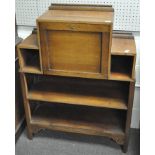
(74,53)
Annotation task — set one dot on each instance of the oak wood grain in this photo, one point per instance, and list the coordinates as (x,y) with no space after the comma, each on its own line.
(74,51)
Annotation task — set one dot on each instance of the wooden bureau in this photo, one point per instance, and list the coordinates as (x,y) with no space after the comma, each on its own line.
(77,75)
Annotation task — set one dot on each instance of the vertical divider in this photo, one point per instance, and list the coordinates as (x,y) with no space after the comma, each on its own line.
(110,44)
(105,58)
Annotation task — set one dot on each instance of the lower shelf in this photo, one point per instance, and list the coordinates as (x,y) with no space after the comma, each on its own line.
(81,119)
(120,76)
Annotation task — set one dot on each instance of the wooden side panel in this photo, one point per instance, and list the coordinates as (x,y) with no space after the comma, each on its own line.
(129,114)
(26,104)
(19,108)
(74,51)
(133,67)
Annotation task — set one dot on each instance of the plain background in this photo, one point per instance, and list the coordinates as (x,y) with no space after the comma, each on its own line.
(7,81)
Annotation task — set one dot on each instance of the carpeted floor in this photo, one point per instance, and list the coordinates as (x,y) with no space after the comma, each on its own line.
(57,143)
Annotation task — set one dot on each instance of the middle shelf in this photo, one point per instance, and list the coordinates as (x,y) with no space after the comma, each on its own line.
(97,93)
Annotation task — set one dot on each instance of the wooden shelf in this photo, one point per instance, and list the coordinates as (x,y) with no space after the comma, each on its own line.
(30,42)
(122,68)
(120,76)
(31,69)
(80,119)
(29,61)
(99,95)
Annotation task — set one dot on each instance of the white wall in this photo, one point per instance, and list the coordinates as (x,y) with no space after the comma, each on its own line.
(24,31)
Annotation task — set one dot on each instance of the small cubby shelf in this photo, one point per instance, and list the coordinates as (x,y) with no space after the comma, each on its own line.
(28,53)
(80,119)
(96,93)
(121,67)
(123,57)
(29,60)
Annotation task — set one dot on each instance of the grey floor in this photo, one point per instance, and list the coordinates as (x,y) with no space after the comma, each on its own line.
(57,143)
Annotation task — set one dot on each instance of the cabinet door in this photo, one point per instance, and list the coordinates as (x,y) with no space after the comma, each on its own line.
(78,50)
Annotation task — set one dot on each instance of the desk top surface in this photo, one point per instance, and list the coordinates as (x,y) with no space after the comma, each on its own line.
(94,17)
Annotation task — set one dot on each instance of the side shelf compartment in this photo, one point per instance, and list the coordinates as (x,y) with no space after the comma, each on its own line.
(122,67)
(123,57)
(29,55)
(29,60)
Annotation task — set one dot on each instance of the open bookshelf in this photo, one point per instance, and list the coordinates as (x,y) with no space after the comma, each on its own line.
(109,94)
(80,119)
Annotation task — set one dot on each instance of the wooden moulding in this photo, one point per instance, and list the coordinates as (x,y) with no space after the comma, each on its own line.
(80,119)
(81,7)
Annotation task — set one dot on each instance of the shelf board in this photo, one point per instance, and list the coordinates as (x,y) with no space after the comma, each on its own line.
(123,46)
(31,69)
(79,119)
(30,42)
(120,76)
(79,95)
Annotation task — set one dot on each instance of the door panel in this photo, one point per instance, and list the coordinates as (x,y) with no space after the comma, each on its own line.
(74,51)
